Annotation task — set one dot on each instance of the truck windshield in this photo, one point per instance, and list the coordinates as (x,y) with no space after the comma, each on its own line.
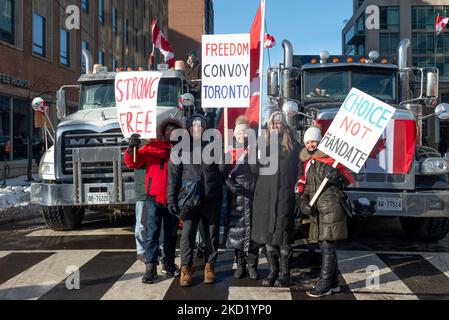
(335,85)
(97,96)
(169,92)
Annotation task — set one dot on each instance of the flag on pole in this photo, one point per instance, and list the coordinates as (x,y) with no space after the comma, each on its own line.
(161,42)
(270,42)
(440,24)
(256,68)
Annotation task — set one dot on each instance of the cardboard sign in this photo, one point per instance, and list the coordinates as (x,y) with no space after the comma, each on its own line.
(136,100)
(356,129)
(226,71)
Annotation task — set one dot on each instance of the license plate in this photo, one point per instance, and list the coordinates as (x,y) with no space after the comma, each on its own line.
(389,204)
(98,198)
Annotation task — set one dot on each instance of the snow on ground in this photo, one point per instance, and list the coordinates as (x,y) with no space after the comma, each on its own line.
(15,194)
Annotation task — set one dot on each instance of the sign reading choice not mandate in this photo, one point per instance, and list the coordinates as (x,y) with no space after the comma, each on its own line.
(136,101)
(356,129)
(226,71)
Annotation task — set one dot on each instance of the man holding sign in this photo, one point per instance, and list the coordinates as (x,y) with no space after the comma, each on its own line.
(347,144)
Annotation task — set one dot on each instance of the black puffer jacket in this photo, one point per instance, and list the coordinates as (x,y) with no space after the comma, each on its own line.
(330,222)
(209,174)
(274,201)
(240,183)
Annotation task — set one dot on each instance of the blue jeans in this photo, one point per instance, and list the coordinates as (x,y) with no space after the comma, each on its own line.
(155,215)
(139,230)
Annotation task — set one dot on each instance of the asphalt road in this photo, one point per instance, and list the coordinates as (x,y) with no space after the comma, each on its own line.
(376,263)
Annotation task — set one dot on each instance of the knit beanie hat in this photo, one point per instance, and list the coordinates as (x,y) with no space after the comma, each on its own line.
(312,134)
(196,117)
(241,124)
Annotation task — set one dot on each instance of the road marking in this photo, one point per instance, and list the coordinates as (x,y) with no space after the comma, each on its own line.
(130,286)
(42,277)
(86,233)
(441,261)
(259,293)
(353,266)
(4,253)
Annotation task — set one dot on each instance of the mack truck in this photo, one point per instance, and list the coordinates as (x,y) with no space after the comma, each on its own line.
(85,169)
(404,177)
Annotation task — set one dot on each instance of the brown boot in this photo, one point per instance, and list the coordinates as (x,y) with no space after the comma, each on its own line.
(186,276)
(209,274)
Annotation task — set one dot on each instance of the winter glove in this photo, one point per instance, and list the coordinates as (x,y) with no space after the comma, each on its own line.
(332,175)
(233,186)
(134,142)
(173,209)
(306,208)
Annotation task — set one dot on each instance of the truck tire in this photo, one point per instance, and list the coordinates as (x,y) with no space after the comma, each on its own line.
(63,218)
(425,229)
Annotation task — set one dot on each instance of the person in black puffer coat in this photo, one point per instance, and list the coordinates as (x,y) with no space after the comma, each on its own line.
(209,209)
(240,182)
(274,203)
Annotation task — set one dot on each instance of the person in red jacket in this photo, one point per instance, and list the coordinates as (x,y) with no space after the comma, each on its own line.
(155,156)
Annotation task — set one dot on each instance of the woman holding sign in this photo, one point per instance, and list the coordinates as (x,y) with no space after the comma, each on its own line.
(327,217)
(274,202)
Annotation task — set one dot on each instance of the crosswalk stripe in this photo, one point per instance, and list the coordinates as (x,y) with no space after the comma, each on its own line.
(353,266)
(86,233)
(130,286)
(440,260)
(4,253)
(259,293)
(42,277)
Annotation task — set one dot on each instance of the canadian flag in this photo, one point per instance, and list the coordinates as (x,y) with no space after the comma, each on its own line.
(254,111)
(270,42)
(440,24)
(161,42)
(393,153)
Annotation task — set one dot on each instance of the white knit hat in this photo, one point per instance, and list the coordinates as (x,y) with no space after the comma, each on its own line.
(312,134)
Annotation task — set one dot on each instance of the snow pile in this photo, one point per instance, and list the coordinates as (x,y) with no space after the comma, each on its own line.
(16,193)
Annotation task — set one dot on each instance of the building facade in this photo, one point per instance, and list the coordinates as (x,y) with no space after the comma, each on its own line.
(399,19)
(40,52)
(187,22)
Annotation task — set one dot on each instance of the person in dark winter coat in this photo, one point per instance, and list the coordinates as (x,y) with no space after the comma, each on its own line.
(274,202)
(240,180)
(209,209)
(327,217)
(193,73)
(154,156)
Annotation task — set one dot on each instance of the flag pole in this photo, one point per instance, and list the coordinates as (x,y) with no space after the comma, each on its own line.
(262,37)
(435,43)
(226,126)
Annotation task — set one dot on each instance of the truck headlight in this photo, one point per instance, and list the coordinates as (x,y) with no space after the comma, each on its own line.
(47,166)
(434,166)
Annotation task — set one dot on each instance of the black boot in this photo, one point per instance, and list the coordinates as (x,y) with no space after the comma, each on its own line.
(150,274)
(241,265)
(273,261)
(252,267)
(284,279)
(329,270)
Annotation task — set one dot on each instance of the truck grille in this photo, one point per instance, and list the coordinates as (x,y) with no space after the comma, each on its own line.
(90,139)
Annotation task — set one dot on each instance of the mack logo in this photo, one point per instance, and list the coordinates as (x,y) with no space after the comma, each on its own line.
(97,141)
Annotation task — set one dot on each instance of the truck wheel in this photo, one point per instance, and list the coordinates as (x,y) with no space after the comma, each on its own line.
(63,218)
(425,229)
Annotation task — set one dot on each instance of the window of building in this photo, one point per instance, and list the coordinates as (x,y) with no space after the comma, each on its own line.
(423,17)
(101,11)
(114,20)
(442,63)
(388,43)
(7,21)
(424,42)
(85,5)
(38,35)
(114,64)
(389,18)
(101,57)
(64,49)
(84,45)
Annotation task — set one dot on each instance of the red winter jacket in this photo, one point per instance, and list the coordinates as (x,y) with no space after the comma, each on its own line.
(155,155)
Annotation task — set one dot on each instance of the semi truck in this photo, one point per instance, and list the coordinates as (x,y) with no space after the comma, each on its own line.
(85,169)
(404,177)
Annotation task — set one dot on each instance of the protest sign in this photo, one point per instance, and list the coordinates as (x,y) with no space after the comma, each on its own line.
(355,131)
(226,71)
(136,101)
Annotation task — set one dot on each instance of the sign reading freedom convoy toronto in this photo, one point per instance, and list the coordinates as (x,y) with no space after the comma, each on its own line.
(136,100)
(356,129)
(226,71)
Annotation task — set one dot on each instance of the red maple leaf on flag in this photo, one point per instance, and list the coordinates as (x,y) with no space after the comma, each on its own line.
(378,148)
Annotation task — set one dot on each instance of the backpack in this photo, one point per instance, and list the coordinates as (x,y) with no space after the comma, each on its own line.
(190,197)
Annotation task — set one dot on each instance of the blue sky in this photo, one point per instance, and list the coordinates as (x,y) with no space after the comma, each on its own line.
(311,26)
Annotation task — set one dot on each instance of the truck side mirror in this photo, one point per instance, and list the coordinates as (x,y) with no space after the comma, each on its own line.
(442,111)
(61,104)
(432,84)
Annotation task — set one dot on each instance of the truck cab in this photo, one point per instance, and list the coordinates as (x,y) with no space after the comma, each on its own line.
(85,169)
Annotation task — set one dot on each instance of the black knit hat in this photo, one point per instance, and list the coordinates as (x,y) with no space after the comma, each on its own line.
(196,117)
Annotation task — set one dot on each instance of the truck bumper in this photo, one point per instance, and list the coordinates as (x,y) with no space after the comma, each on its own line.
(414,204)
(54,195)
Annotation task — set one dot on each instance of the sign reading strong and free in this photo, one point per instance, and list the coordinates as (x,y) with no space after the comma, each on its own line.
(226,71)
(356,129)
(136,101)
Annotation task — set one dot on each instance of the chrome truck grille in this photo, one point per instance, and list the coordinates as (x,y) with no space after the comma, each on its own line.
(90,139)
